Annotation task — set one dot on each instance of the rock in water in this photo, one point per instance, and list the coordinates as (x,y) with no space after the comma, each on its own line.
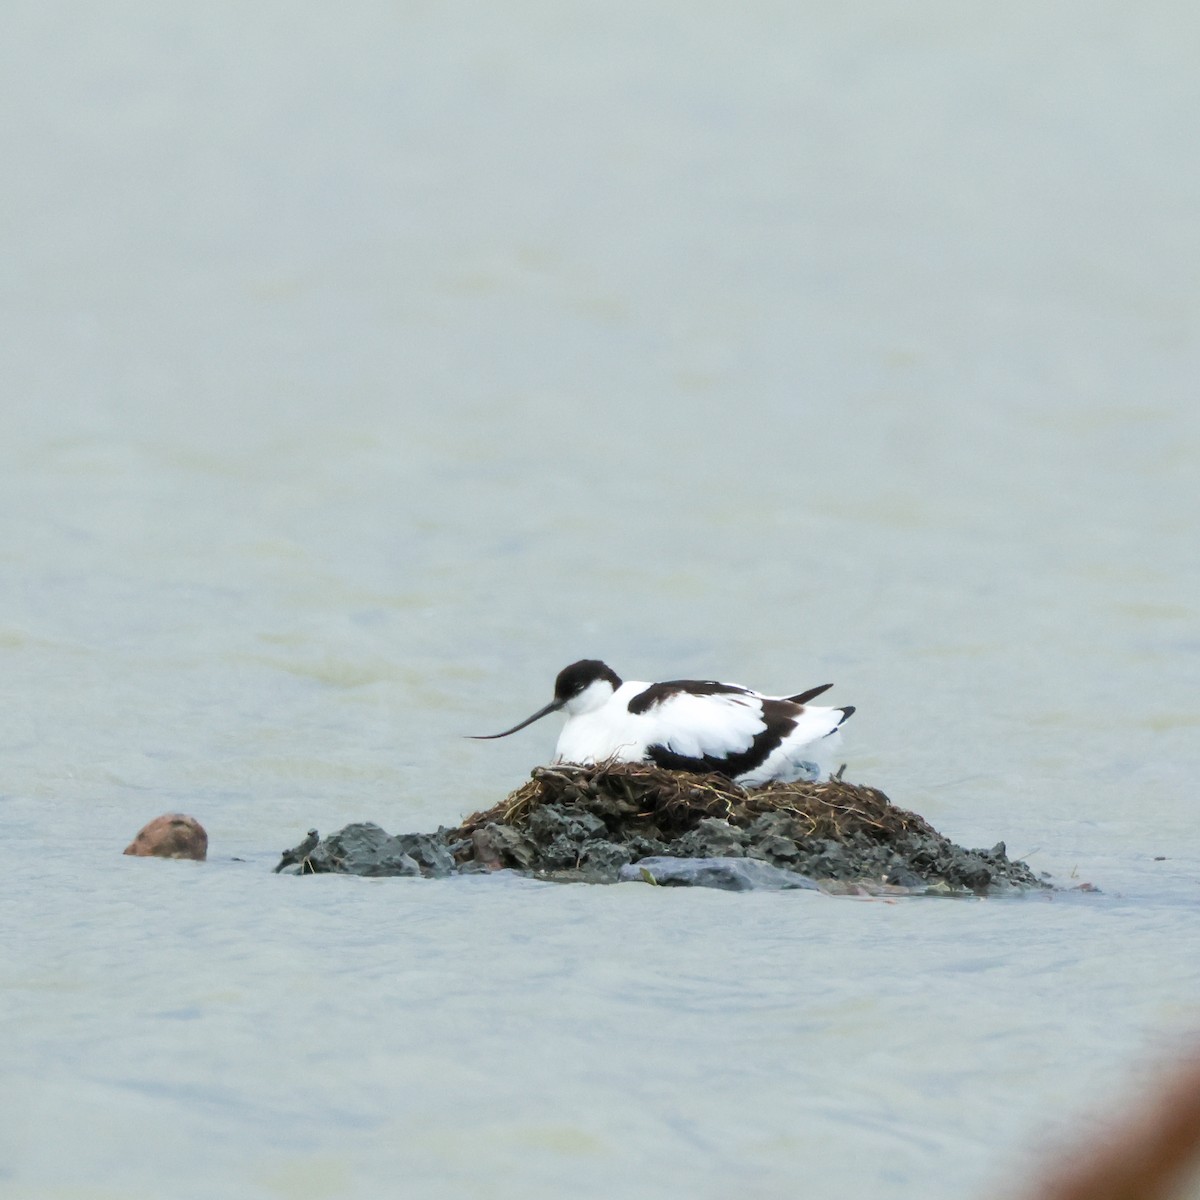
(729,874)
(363,849)
(173,835)
(297,856)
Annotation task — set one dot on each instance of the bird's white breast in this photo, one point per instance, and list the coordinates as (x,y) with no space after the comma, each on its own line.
(610,731)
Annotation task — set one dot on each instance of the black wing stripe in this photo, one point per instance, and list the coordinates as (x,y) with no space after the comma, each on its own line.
(657,693)
(777,715)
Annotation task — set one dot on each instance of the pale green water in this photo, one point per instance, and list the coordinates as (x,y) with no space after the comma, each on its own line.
(360,371)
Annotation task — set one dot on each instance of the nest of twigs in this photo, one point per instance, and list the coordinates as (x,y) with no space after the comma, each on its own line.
(637,798)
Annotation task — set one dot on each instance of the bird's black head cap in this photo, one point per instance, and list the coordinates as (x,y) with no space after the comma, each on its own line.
(574,679)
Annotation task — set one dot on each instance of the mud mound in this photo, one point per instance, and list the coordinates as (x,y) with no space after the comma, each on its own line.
(587,822)
(600,823)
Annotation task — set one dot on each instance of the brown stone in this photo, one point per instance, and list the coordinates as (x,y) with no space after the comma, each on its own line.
(172,835)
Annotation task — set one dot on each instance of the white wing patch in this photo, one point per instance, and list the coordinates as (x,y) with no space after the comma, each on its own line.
(714,726)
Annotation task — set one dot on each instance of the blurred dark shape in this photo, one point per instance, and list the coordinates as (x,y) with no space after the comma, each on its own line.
(1151,1152)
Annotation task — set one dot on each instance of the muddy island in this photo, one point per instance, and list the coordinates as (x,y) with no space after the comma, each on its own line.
(633,821)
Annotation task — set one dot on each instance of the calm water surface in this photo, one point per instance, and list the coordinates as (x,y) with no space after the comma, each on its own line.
(362,371)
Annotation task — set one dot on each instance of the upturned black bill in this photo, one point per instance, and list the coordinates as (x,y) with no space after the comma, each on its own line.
(537,716)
